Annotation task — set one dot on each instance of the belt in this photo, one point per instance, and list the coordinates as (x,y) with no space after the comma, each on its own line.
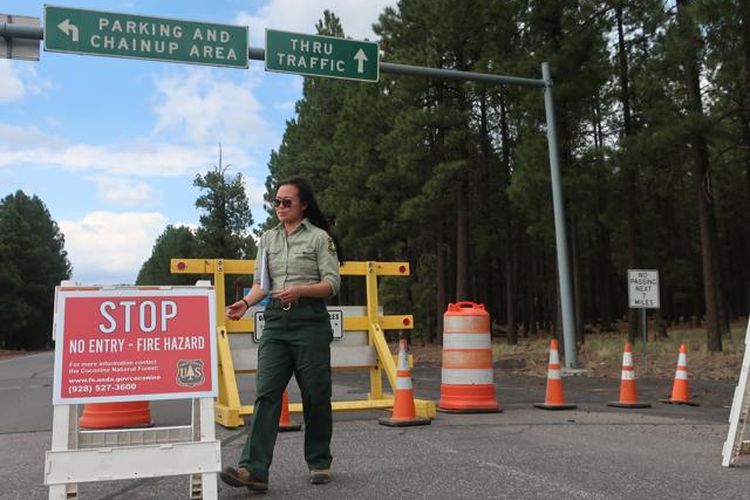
(285,306)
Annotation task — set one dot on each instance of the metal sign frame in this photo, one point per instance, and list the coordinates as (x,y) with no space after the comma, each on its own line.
(23,49)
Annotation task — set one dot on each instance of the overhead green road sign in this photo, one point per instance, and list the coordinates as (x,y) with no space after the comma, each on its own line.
(138,37)
(317,55)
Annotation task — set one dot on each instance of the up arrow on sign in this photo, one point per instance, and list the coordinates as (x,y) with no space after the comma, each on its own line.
(361,58)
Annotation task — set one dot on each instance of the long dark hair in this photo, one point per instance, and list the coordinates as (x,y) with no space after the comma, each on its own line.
(313,212)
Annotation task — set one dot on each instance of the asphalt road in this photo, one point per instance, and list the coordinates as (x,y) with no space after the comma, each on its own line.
(595,451)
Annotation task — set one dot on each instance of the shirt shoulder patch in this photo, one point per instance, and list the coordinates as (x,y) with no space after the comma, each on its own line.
(331,245)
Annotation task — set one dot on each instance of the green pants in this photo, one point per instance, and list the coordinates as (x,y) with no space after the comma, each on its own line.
(296,342)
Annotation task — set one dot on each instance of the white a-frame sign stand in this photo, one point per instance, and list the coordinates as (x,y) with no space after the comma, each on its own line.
(84,375)
(738,443)
(80,456)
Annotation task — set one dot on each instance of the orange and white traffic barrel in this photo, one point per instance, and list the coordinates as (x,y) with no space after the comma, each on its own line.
(467,382)
(115,415)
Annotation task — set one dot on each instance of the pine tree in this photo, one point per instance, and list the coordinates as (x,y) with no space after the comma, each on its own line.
(226,218)
(32,250)
(173,243)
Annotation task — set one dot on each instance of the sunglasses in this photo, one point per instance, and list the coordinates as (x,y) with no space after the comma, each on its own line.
(284,202)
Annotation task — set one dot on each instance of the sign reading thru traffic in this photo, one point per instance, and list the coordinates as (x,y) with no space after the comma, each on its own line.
(138,37)
(316,55)
(643,288)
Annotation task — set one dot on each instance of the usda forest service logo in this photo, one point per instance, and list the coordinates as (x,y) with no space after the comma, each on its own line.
(190,373)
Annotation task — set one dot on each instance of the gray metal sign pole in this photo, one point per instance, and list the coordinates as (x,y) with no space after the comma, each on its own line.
(563,270)
(20,31)
(561,237)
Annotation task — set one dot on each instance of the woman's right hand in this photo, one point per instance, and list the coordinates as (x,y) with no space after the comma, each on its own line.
(236,310)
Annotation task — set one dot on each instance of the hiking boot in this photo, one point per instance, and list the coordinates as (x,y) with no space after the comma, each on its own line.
(241,477)
(320,476)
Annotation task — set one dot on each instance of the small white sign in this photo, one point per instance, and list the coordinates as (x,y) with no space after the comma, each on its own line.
(336,316)
(643,288)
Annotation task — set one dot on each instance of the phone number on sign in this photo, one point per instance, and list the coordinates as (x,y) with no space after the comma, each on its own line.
(89,389)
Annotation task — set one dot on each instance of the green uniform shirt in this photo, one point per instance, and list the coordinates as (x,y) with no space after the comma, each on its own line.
(305,257)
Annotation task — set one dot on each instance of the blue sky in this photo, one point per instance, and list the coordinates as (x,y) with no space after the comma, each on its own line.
(112,145)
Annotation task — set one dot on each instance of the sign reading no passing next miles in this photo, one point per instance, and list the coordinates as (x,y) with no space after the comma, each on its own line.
(138,37)
(643,288)
(317,55)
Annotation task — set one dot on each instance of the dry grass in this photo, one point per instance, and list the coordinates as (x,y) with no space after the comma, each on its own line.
(601,355)
(11,354)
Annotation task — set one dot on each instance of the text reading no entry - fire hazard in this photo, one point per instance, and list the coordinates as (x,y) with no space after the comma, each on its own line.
(643,288)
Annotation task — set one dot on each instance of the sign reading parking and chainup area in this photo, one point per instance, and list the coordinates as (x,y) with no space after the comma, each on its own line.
(643,288)
(138,37)
(316,55)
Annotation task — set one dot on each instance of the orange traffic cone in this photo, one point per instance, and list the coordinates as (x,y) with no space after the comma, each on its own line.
(554,399)
(114,415)
(628,390)
(285,423)
(404,410)
(681,387)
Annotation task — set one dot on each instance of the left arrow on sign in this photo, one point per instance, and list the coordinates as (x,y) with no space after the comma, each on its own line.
(69,29)
(361,58)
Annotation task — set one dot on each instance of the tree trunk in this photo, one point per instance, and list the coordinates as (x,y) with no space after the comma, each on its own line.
(745,119)
(576,261)
(509,296)
(462,243)
(483,271)
(631,169)
(701,178)
(743,299)
(440,278)
(510,299)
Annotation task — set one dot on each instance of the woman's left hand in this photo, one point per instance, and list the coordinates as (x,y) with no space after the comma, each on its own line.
(290,294)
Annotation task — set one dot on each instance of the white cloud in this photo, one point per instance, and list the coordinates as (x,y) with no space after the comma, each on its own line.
(21,146)
(254,190)
(123,191)
(19,80)
(27,135)
(11,86)
(110,247)
(285,106)
(206,107)
(357,18)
